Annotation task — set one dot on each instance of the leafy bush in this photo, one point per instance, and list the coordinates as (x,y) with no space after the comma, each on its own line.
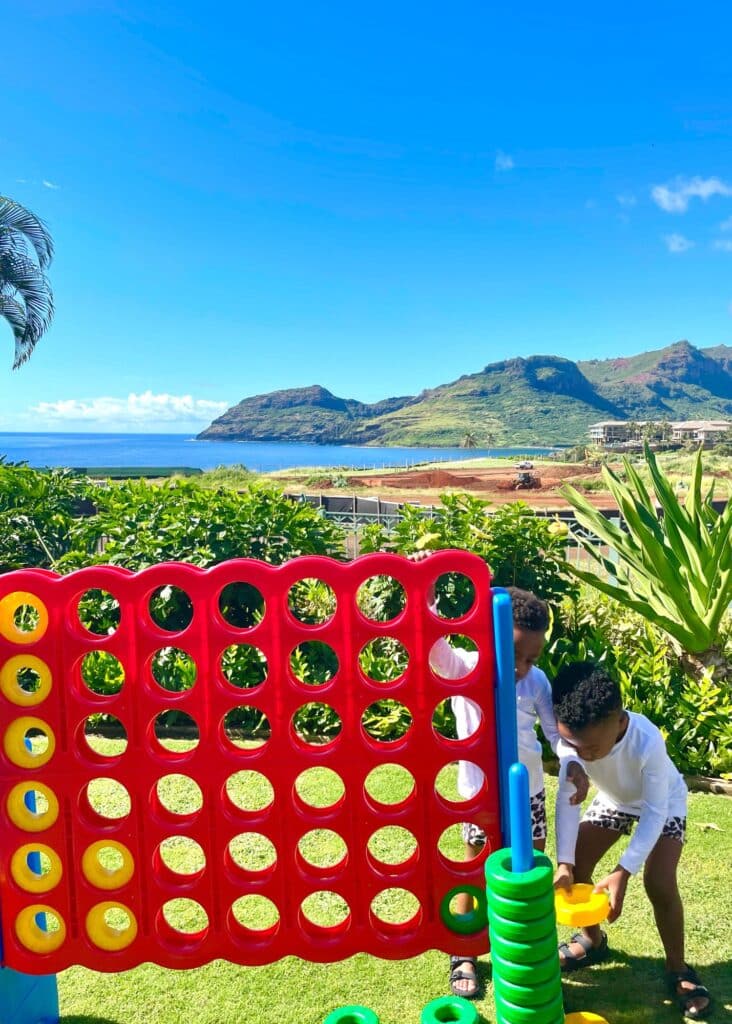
(695,716)
(36,515)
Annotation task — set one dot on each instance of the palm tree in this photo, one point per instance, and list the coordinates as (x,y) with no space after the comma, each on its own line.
(26,299)
(469,440)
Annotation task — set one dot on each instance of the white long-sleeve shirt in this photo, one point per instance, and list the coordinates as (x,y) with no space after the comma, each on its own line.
(533,700)
(636,777)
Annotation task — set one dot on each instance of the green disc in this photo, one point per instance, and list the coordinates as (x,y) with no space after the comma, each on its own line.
(520,885)
(352,1015)
(470,923)
(521,931)
(524,952)
(528,995)
(522,909)
(526,974)
(449,1008)
(547,1013)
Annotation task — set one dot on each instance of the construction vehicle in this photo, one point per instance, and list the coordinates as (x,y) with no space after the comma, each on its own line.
(526,482)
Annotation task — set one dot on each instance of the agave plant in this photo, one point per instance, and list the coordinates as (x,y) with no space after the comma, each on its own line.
(672,563)
(26,299)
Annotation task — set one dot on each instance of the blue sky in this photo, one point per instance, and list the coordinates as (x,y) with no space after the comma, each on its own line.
(377,198)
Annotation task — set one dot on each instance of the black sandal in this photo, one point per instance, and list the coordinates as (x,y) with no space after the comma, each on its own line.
(570,962)
(458,974)
(688,995)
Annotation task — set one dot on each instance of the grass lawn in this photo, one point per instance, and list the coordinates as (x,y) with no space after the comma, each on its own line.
(627,990)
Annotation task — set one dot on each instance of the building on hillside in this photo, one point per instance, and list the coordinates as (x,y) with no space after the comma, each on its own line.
(609,432)
(706,432)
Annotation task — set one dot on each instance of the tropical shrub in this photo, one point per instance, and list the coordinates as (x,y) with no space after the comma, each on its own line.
(37,513)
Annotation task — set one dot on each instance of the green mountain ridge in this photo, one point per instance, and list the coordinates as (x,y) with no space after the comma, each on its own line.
(539,399)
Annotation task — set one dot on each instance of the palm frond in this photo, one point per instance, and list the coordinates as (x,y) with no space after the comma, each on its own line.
(14,218)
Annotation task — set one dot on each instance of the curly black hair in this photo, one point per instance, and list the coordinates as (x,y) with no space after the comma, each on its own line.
(529,611)
(583,693)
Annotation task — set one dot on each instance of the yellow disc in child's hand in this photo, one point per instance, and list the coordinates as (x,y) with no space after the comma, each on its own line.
(580,907)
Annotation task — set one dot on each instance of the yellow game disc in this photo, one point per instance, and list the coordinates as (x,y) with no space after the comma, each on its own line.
(584,1017)
(22,816)
(104,935)
(581,907)
(31,881)
(32,936)
(101,876)
(9,606)
(14,691)
(15,745)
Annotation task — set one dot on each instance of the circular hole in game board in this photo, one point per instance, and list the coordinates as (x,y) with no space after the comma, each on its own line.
(256,916)
(311,601)
(455,594)
(243,666)
(383,659)
(313,663)
(453,844)
(26,618)
(395,910)
(392,847)
(319,788)
(99,612)
(104,736)
(457,779)
(464,911)
(381,598)
(322,849)
(325,910)
(186,917)
(241,605)
(176,732)
(102,673)
(252,852)
(386,721)
(179,795)
(245,728)
(249,791)
(104,802)
(171,609)
(181,855)
(27,679)
(456,718)
(173,669)
(390,785)
(316,724)
(453,656)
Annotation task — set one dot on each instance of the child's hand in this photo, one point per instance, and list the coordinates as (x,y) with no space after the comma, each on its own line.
(564,876)
(616,883)
(419,556)
(578,777)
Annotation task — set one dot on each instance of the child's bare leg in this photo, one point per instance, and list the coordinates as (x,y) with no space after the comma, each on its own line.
(593,842)
(659,879)
(464,905)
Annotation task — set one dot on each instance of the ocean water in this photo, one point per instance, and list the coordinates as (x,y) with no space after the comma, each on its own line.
(90,451)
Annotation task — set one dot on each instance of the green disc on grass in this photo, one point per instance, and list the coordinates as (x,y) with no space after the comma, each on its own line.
(351,1015)
(449,1008)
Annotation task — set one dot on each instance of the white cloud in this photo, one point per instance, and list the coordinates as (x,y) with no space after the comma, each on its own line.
(50,184)
(726,225)
(145,408)
(627,199)
(723,244)
(504,162)
(674,198)
(677,243)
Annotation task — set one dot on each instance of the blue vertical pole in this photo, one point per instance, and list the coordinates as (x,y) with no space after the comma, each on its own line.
(522,851)
(506,727)
(27,998)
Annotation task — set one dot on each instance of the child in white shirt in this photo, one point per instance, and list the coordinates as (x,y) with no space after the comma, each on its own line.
(533,700)
(625,756)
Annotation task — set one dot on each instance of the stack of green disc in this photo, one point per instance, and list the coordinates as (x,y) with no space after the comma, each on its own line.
(523,933)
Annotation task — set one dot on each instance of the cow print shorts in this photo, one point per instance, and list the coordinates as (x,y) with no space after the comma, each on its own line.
(475,835)
(603,814)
